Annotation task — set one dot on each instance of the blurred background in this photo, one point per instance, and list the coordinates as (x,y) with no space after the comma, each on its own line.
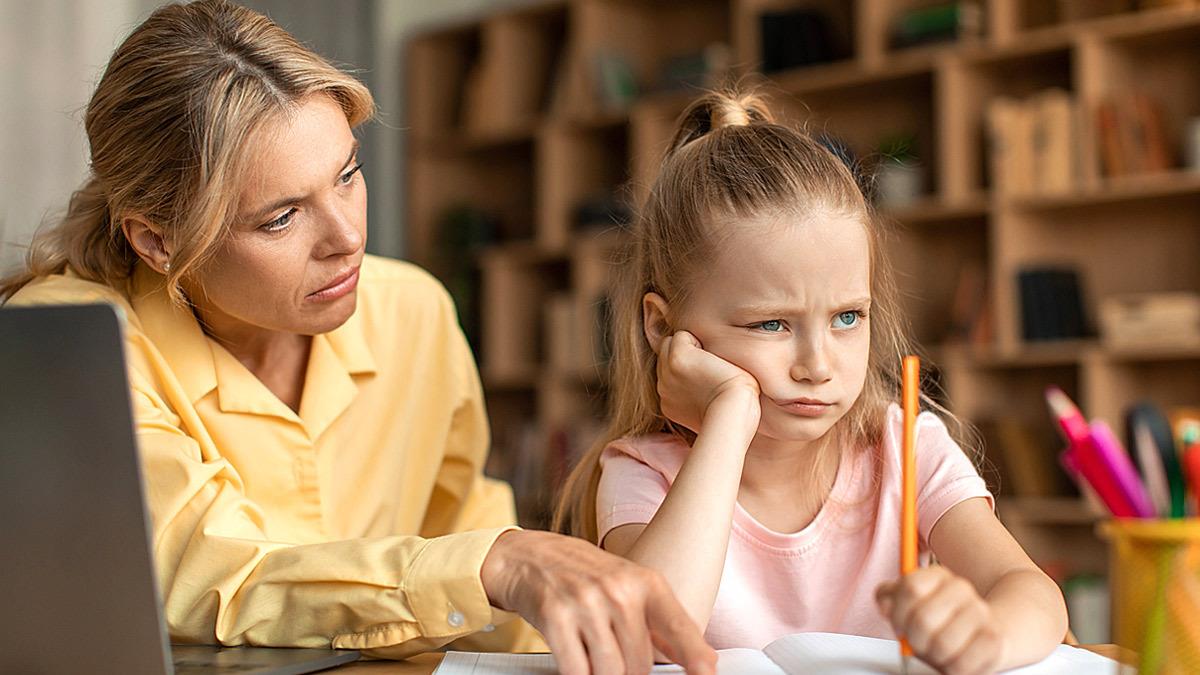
(1039,161)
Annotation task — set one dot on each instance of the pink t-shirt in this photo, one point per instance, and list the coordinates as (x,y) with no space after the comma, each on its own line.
(823,577)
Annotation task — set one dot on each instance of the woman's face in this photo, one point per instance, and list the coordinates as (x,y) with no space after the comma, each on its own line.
(290,261)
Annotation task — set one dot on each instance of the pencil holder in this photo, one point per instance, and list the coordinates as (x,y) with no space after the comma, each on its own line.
(1155,570)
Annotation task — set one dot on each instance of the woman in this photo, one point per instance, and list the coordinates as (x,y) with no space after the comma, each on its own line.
(309,418)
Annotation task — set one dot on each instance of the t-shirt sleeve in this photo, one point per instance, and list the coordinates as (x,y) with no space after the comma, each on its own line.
(630,490)
(945,475)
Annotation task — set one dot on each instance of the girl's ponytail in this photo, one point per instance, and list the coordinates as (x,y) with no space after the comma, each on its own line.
(718,109)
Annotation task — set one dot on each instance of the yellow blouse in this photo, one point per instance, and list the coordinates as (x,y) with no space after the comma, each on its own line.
(362,521)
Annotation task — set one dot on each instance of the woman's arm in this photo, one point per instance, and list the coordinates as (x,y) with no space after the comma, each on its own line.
(687,539)
(989,608)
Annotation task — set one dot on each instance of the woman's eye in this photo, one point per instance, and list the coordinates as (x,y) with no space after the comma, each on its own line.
(349,175)
(281,222)
(846,320)
(772,326)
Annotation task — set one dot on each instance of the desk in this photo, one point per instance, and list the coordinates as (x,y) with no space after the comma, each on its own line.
(424,664)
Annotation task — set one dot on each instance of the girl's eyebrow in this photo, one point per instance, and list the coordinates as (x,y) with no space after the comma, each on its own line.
(782,310)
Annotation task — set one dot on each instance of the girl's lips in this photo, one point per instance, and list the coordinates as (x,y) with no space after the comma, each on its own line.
(338,288)
(805,407)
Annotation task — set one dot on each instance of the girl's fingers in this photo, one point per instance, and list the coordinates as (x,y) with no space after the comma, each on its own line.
(885,598)
(908,592)
(687,338)
(934,613)
(980,656)
(950,638)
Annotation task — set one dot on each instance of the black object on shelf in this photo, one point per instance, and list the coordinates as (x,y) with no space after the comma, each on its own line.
(798,37)
(1051,304)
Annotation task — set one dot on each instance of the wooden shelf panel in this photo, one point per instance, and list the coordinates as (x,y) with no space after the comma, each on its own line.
(934,209)
(1117,190)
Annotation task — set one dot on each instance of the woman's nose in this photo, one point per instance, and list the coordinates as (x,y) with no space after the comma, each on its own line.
(342,235)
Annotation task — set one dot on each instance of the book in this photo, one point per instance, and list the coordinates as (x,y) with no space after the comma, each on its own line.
(827,653)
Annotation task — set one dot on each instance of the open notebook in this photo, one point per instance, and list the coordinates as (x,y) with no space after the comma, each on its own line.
(799,653)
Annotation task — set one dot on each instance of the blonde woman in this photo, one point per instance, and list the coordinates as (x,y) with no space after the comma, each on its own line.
(309,417)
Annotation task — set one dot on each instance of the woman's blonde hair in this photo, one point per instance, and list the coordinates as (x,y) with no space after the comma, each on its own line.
(169,127)
(729,161)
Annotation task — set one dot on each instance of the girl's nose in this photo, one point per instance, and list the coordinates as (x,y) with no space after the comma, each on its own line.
(811,363)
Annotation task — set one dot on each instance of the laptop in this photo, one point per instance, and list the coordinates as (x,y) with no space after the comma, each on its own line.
(76,574)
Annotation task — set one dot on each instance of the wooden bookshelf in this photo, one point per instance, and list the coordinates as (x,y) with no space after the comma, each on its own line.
(507,116)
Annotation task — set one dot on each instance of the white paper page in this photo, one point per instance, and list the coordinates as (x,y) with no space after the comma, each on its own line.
(476,663)
(833,654)
(730,662)
(854,655)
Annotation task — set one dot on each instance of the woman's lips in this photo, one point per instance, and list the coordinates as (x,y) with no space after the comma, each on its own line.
(805,407)
(339,287)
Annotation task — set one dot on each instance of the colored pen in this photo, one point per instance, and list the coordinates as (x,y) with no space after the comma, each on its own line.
(1113,456)
(1082,458)
(1191,470)
(908,507)
(1152,469)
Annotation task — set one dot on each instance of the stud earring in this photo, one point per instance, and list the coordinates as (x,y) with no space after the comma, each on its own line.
(167,266)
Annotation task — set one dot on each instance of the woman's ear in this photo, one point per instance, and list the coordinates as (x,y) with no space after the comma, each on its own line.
(147,241)
(654,319)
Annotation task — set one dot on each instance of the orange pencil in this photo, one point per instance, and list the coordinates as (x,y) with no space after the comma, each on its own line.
(908,508)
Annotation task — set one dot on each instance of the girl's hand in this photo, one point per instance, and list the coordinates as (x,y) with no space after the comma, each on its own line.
(946,622)
(691,382)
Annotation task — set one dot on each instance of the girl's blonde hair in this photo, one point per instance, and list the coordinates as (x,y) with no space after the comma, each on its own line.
(170,127)
(729,161)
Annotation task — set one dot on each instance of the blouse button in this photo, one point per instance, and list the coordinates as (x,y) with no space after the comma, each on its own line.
(489,628)
(456,619)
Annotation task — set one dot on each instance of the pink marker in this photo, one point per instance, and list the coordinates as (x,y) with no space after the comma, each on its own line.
(1083,459)
(1113,455)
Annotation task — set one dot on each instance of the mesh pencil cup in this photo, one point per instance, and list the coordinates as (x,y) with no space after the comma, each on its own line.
(1155,568)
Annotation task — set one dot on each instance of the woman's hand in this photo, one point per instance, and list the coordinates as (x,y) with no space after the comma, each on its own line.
(599,613)
(946,622)
(691,382)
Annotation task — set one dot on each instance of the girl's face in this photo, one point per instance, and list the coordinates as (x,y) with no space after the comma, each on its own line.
(788,300)
(290,261)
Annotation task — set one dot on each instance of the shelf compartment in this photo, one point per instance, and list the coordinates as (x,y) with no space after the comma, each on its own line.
(969,85)
(513,292)
(498,186)
(839,14)
(959,247)
(644,37)
(575,164)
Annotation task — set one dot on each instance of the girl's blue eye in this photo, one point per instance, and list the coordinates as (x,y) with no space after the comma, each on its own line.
(846,320)
(281,222)
(772,326)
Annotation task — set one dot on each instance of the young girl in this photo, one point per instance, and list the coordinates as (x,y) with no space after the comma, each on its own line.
(753,457)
